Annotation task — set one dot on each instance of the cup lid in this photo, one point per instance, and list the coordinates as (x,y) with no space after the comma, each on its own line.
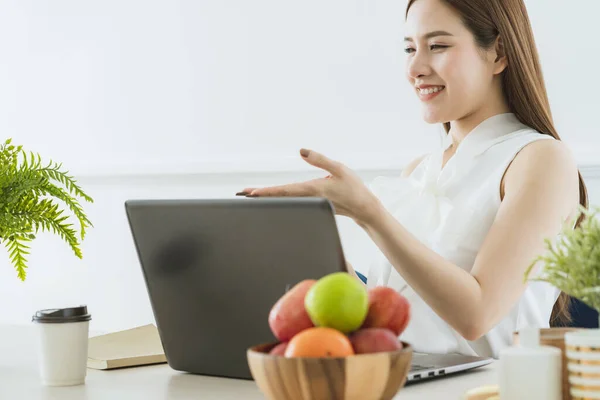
(62,315)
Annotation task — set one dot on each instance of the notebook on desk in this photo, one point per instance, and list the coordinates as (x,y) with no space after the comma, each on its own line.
(129,348)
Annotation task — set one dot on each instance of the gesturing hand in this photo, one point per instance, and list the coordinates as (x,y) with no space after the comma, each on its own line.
(348,194)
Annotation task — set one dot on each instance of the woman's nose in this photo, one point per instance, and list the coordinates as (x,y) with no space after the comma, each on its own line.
(418,66)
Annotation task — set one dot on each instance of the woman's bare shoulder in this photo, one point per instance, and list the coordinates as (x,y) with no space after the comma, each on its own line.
(544,162)
(410,167)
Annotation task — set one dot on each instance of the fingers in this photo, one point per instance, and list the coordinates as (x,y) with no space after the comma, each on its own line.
(321,161)
(245,192)
(293,190)
(302,189)
(309,188)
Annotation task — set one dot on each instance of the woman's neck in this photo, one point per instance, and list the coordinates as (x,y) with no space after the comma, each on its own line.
(460,128)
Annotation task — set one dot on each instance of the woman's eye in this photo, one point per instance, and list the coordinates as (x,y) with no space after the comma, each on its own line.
(432,47)
(437,46)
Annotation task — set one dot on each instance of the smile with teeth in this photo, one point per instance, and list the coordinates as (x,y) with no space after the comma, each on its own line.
(431,90)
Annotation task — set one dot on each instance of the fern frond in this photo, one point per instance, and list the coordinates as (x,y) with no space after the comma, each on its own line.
(15,186)
(63,230)
(52,171)
(72,203)
(17,250)
(46,216)
(23,209)
(31,163)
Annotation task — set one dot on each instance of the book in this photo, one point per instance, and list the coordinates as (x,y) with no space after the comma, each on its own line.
(129,348)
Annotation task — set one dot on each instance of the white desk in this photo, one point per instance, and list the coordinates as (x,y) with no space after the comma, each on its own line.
(19,380)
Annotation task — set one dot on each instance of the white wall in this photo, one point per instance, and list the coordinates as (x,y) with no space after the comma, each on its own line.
(188,84)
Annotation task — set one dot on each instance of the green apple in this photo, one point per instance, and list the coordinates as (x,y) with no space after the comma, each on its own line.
(338,301)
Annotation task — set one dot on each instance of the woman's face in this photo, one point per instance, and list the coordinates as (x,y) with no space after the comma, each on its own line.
(449,73)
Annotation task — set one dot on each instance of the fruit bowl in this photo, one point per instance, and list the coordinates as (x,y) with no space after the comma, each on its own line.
(376,376)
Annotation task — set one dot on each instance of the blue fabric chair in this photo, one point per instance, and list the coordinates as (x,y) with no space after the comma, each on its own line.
(582,315)
(362,277)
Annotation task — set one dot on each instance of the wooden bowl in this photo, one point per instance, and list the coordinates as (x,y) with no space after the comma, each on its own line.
(376,376)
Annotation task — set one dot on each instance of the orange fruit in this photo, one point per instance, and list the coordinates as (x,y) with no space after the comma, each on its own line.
(319,342)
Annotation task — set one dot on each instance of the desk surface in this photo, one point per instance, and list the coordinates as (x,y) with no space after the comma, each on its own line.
(19,379)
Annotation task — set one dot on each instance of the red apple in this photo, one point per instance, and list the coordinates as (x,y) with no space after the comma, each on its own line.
(288,315)
(374,340)
(279,350)
(387,309)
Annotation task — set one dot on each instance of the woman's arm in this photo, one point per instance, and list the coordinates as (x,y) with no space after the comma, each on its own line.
(406,171)
(541,191)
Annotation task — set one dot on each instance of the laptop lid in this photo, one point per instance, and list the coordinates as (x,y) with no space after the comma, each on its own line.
(213,269)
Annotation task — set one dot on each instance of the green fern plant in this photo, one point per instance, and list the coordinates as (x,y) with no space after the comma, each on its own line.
(572,263)
(29,191)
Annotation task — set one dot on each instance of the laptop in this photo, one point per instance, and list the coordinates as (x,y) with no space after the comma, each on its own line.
(213,269)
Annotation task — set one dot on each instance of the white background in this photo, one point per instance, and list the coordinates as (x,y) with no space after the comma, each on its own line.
(160,85)
(198,98)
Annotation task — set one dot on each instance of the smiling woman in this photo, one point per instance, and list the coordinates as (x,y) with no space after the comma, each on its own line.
(475,201)
(457,230)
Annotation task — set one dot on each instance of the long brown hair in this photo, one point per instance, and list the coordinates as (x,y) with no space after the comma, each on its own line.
(522,81)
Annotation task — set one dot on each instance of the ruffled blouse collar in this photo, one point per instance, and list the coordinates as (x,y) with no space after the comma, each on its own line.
(485,134)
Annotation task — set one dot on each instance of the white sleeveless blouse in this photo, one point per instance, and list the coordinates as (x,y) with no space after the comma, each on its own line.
(450,210)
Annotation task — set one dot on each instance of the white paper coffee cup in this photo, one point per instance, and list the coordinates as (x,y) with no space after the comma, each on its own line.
(63,345)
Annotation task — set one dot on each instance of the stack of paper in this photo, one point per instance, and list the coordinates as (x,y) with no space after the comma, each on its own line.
(133,347)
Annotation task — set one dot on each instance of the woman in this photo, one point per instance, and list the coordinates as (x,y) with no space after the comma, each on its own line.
(457,230)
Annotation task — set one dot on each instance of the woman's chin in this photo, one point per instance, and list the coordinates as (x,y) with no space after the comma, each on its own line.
(433,116)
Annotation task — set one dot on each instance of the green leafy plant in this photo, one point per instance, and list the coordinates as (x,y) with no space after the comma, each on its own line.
(30,196)
(572,263)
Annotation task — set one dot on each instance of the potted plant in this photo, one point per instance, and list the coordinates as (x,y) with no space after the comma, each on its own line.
(572,264)
(33,198)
